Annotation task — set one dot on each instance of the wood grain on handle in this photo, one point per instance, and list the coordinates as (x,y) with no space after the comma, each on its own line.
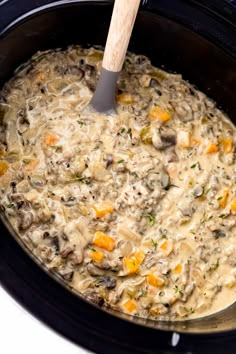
(122,22)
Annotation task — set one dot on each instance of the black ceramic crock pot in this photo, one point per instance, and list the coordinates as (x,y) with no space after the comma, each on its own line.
(195,38)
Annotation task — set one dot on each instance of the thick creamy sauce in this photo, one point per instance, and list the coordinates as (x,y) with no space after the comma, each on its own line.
(134,211)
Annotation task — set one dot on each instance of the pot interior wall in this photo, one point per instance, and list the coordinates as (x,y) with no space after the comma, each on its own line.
(164,41)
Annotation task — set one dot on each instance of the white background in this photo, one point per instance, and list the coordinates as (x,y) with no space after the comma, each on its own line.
(21,333)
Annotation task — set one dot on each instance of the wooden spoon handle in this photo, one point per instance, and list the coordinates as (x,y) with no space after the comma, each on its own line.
(121,26)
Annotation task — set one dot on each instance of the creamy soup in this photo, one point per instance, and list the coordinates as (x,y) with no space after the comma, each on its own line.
(135,211)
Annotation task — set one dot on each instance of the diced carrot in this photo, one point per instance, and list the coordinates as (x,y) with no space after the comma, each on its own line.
(159,113)
(3,168)
(212,148)
(167,247)
(103,209)
(132,263)
(125,98)
(233,205)
(155,281)
(96,256)
(30,165)
(103,241)
(223,199)
(50,139)
(227,144)
(184,139)
(130,306)
(139,256)
(178,268)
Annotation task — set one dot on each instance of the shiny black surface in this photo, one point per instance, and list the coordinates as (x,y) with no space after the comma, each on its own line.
(209,65)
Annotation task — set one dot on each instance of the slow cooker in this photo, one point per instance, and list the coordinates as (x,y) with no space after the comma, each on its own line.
(194,37)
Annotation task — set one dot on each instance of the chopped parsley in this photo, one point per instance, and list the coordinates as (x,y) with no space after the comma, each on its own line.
(154,244)
(26,161)
(189,310)
(178,290)
(96,147)
(51,193)
(194,165)
(223,216)
(91,248)
(205,218)
(163,236)
(120,161)
(121,131)
(143,292)
(57,148)
(81,123)
(84,180)
(11,205)
(219,198)
(150,219)
(215,266)
(161,293)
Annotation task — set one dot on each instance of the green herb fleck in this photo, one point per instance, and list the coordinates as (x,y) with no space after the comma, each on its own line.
(96,147)
(91,248)
(178,290)
(208,190)
(161,293)
(154,244)
(51,192)
(204,218)
(163,236)
(189,310)
(122,131)
(11,205)
(81,123)
(143,292)
(84,180)
(120,161)
(194,165)
(219,198)
(215,266)
(57,148)
(26,161)
(150,219)
(223,216)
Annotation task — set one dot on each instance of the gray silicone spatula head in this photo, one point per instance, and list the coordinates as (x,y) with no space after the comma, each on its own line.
(121,26)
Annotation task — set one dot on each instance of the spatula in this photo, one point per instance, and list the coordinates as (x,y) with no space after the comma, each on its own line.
(121,26)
